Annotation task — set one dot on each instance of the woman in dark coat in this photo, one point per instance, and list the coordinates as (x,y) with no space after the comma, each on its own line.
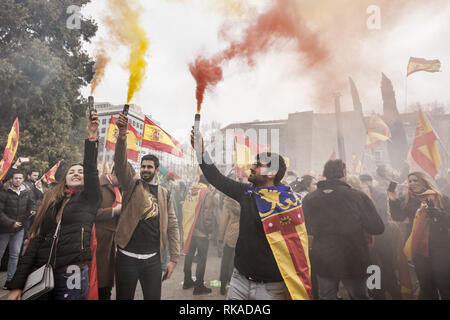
(73,201)
(428,244)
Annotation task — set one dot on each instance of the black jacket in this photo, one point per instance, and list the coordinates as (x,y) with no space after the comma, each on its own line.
(253,256)
(439,229)
(36,193)
(73,244)
(337,217)
(14,207)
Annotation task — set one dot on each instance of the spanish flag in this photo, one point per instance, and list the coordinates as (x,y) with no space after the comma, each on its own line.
(357,166)
(377,132)
(10,150)
(424,154)
(244,153)
(191,209)
(419,64)
(281,213)
(133,139)
(50,175)
(157,139)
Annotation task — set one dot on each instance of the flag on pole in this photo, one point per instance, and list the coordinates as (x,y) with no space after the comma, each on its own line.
(10,150)
(157,139)
(244,153)
(424,154)
(377,132)
(133,139)
(49,177)
(419,64)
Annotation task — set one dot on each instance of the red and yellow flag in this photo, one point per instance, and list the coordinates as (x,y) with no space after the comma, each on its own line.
(419,64)
(424,154)
(133,139)
(357,166)
(157,139)
(377,132)
(191,208)
(244,153)
(49,177)
(10,150)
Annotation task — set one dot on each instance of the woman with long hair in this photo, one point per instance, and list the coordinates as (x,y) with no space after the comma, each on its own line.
(73,202)
(428,243)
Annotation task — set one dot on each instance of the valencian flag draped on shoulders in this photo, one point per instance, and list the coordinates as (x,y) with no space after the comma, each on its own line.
(157,139)
(191,209)
(133,139)
(281,213)
(419,64)
(424,154)
(10,150)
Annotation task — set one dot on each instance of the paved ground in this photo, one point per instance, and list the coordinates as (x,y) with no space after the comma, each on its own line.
(172,288)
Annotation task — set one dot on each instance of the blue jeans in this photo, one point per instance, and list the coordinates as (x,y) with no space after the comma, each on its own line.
(243,289)
(15,241)
(130,270)
(328,288)
(71,286)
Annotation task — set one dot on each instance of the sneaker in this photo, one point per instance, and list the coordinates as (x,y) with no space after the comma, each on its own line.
(201,290)
(188,284)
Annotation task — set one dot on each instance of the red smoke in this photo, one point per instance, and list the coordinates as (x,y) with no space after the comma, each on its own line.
(281,21)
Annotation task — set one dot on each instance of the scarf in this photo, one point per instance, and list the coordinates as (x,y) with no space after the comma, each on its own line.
(418,240)
(281,214)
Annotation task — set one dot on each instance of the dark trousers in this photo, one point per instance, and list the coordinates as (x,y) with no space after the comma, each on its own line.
(201,245)
(433,273)
(227,265)
(104,293)
(131,270)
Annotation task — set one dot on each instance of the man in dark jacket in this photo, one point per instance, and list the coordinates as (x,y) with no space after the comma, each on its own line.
(338,217)
(16,207)
(199,242)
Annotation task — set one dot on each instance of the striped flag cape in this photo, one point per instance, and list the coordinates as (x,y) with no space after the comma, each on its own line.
(281,213)
(191,209)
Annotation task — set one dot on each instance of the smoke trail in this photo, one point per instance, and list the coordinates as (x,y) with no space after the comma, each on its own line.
(124,23)
(101,61)
(281,21)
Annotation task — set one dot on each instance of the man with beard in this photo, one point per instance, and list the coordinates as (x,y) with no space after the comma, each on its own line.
(147,222)
(268,208)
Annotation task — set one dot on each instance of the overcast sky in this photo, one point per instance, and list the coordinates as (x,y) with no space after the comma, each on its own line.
(181,30)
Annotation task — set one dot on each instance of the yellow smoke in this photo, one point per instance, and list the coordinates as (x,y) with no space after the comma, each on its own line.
(124,23)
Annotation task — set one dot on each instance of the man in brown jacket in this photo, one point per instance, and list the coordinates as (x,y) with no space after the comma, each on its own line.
(146,222)
(105,228)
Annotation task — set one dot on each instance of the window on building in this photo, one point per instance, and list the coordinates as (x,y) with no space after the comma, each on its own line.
(103,130)
(104,121)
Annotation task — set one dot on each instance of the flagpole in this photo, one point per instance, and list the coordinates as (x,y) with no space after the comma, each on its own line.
(437,136)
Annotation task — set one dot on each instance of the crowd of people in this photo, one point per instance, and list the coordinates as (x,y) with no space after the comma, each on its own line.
(279,235)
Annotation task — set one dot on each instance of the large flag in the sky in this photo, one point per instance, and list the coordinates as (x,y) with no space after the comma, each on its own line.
(377,132)
(419,64)
(49,177)
(244,153)
(133,139)
(10,150)
(157,139)
(424,154)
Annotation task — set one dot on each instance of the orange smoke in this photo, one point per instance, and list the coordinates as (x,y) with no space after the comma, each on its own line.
(101,61)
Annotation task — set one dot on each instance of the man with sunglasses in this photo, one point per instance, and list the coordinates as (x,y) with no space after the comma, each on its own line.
(257,275)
